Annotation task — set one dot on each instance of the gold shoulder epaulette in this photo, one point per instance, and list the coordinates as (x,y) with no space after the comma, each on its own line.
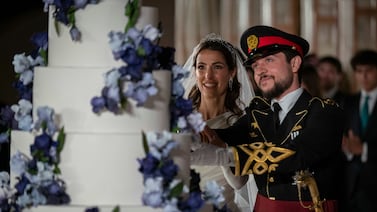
(323,102)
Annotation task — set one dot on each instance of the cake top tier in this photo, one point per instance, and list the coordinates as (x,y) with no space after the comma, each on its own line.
(95,23)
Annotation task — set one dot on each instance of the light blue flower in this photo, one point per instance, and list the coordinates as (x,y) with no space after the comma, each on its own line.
(213,193)
(75,33)
(18,163)
(25,122)
(26,77)
(195,120)
(151,33)
(46,116)
(153,193)
(5,189)
(45,174)
(23,108)
(171,205)
(112,78)
(22,63)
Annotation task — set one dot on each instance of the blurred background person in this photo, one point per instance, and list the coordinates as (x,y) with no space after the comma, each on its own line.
(360,136)
(330,74)
(310,80)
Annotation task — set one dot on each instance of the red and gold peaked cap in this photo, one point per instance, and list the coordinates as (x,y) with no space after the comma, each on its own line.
(260,41)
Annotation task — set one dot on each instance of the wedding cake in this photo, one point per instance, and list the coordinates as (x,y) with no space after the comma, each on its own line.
(99,161)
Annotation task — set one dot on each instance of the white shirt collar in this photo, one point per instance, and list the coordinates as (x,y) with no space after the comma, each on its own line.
(288,101)
(372,98)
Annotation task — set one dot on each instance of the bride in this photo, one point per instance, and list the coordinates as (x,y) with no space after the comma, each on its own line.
(220,89)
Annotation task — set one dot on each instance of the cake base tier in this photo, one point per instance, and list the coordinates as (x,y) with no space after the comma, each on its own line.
(102,169)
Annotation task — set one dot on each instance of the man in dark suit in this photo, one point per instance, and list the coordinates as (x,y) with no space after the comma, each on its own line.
(360,136)
(330,73)
(293,148)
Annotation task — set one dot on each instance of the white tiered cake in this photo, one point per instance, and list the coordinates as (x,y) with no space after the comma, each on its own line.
(99,160)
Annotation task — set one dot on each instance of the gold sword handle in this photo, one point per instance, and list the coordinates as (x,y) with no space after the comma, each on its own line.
(306,179)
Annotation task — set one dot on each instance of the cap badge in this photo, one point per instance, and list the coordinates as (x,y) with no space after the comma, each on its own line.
(252,42)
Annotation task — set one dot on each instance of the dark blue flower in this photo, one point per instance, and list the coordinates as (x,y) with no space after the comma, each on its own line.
(21,184)
(169,170)
(6,116)
(131,57)
(24,91)
(193,203)
(42,142)
(92,209)
(134,72)
(147,46)
(148,165)
(61,15)
(40,40)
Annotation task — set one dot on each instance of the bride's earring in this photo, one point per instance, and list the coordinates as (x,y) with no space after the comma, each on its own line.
(230,84)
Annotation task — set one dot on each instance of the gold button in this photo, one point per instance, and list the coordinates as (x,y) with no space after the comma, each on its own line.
(271,180)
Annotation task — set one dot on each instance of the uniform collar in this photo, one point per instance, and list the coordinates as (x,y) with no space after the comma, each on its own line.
(288,101)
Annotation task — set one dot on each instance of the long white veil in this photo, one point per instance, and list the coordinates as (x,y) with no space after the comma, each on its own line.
(246,90)
(246,196)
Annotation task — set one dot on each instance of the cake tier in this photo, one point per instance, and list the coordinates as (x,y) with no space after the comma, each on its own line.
(102,169)
(69,92)
(94,22)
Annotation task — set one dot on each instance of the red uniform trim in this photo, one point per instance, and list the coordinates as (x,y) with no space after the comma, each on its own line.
(272,40)
(263,204)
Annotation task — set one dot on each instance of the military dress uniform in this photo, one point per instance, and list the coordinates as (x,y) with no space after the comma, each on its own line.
(307,143)
(309,139)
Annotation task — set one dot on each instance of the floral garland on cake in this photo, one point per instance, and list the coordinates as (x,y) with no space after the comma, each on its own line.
(64,12)
(141,54)
(163,189)
(38,176)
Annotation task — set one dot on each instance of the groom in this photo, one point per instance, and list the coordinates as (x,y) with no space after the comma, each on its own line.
(288,139)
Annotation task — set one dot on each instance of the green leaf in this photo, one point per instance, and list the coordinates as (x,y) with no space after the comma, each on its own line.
(44,125)
(176,190)
(57,29)
(145,142)
(116,209)
(132,12)
(43,54)
(61,140)
(71,16)
(57,169)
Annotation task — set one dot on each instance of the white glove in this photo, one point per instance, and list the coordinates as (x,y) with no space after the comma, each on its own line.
(211,155)
(235,181)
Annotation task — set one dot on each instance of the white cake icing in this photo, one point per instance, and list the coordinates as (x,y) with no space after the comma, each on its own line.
(99,161)
(94,22)
(100,169)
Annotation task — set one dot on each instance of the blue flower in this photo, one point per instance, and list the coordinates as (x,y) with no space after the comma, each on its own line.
(193,203)
(21,184)
(40,40)
(148,165)
(65,13)
(75,33)
(169,170)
